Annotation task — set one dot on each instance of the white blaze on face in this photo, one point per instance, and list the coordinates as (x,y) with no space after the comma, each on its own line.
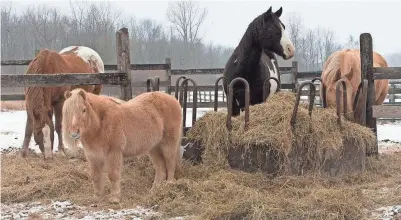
(47,141)
(273,83)
(288,47)
(87,54)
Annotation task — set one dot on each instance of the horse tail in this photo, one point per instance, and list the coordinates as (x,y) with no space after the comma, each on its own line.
(35,96)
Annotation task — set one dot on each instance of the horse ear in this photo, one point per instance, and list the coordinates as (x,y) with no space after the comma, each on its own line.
(279,12)
(67,94)
(268,13)
(82,93)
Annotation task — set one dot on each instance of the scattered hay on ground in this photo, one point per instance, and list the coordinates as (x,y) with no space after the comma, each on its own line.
(214,191)
(210,193)
(269,128)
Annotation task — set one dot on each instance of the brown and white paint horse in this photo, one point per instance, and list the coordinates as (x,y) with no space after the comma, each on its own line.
(41,102)
(346,64)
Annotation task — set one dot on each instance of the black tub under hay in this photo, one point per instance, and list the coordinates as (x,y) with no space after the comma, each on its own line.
(270,144)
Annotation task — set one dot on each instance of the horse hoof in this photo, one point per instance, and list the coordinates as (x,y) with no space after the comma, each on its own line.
(23,153)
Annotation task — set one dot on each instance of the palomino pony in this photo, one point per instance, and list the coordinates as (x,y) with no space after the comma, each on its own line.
(42,101)
(150,123)
(346,64)
(265,34)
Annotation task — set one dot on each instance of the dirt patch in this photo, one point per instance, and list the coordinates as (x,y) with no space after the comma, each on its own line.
(12,105)
(210,192)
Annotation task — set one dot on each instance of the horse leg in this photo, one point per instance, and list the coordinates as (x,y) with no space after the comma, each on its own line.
(156,156)
(48,137)
(97,166)
(58,109)
(169,151)
(28,135)
(38,136)
(238,95)
(115,163)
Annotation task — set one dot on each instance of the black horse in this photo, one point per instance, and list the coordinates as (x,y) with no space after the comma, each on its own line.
(265,34)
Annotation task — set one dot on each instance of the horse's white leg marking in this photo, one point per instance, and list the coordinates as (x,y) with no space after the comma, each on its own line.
(288,47)
(273,83)
(87,54)
(47,142)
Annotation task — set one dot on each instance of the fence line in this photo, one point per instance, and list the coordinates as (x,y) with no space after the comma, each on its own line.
(371,74)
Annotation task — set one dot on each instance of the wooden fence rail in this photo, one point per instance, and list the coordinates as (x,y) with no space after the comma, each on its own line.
(371,74)
(46,80)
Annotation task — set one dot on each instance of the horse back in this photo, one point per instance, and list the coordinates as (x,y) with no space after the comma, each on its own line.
(150,118)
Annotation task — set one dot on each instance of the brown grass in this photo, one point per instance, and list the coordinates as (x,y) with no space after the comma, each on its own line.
(12,105)
(207,192)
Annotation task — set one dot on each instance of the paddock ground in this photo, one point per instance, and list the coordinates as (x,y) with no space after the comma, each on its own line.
(60,189)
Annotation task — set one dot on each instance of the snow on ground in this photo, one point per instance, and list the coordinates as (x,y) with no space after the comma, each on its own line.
(12,130)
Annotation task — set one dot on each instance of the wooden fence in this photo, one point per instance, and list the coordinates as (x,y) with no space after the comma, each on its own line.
(371,74)
(118,77)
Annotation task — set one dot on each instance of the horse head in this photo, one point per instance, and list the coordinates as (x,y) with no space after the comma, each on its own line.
(76,118)
(272,36)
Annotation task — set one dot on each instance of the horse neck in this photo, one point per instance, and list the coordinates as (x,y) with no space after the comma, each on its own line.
(249,51)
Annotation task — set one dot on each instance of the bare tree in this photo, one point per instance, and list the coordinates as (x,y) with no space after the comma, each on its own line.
(352,43)
(187,18)
(295,27)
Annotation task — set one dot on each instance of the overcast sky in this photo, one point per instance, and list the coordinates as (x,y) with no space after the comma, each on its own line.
(227,20)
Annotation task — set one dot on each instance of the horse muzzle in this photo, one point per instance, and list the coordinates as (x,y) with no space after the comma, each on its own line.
(289,51)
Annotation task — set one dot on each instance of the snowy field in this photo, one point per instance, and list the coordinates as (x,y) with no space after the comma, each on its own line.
(13,127)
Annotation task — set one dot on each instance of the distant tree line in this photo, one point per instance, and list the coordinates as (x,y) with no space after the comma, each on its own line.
(95,24)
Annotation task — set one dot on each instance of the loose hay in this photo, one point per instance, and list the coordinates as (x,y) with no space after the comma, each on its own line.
(209,193)
(269,129)
(212,190)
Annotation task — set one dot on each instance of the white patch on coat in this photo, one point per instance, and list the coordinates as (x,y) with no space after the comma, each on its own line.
(286,43)
(87,54)
(182,148)
(273,83)
(47,142)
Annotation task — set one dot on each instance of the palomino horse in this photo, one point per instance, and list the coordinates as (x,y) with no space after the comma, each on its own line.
(346,64)
(265,34)
(42,101)
(150,123)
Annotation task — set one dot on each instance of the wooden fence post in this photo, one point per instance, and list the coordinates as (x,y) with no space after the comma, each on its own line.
(366,50)
(168,75)
(294,75)
(123,61)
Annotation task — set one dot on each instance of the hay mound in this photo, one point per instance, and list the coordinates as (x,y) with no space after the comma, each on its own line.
(270,129)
